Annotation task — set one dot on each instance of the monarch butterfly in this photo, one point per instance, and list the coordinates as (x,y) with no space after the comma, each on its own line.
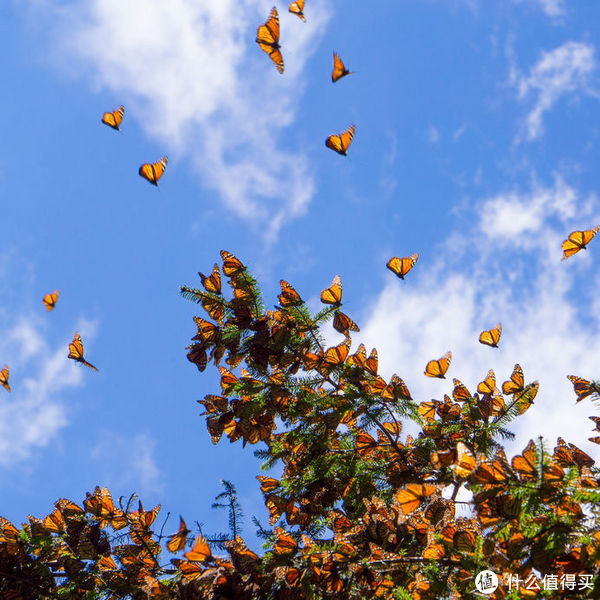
(289,296)
(49,300)
(516,383)
(410,497)
(284,543)
(465,461)
(340,142)
(567,455)
(4,378)
(177,540)
(337,355)
(231,264)
(401,266)
(212,283)
(491,337)
(525,464)
(76,351)
(333,294)
(200,552)
(267,37)
(343,323)
(154,171)
(438,368)
(583,388)
(297,7)
(578,240)
(488,385)
(460,393)
(339,70)
(113,119)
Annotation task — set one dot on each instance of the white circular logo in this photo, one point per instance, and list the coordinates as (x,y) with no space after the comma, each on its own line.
(486,582)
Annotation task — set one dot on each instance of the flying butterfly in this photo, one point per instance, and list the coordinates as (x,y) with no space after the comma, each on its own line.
(297,8)
(343,323)
(341,142)
(339,70)
(583,388)
(578,240)
(333,294)
(177,540)
(491,337)
(401,266)
(212,283)
(4,378)
(154,171)
(76,351)
(516,383)
(267,37)
(49,300)
(113,119)
(200,552)
(438,368)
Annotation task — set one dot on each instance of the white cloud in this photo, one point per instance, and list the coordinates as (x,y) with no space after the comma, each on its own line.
(562,71)
(553,8)
(128,461)
(32,414)
(433,135)
(484,275)
(191,74)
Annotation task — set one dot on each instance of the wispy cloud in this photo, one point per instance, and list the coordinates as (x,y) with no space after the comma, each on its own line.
(553,8)
(128,462)
(566,70)
(505,268)
(191,74)
(33,413)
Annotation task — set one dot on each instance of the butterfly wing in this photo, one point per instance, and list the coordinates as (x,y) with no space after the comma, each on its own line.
(401,266)
(491,337)
(341,142)
(578,240)
(113,119)
(267,37)
(297,8)
(339,70)
(50,300)
(4,378)
(438,368)
(152,172)
(76,351)
(333,294)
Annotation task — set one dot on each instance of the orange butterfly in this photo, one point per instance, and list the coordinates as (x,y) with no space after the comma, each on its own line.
(438,368)
(267,37)
(343,323)
(76,351)
(340,142)
(4,378)
(401,266)
(113,119)
(578,240)
(154,171)
(297,8)
(231,265)
(491,337)
(339,70)
(410,497)
(177,540)
(200,551)
(333,294)
(50,300)
(516,383)
(583,388)
(212,283)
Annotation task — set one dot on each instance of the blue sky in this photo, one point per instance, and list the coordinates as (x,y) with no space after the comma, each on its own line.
(476,146)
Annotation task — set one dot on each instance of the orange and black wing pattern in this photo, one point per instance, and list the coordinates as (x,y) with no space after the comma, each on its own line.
(401,266)
(76,351)
(297,8)
(341,142)
(578,240)
(49,300)
(491,337)
(267,37)
(4,378)
(438,368)
(152,172)
(113,119)
(339,70)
